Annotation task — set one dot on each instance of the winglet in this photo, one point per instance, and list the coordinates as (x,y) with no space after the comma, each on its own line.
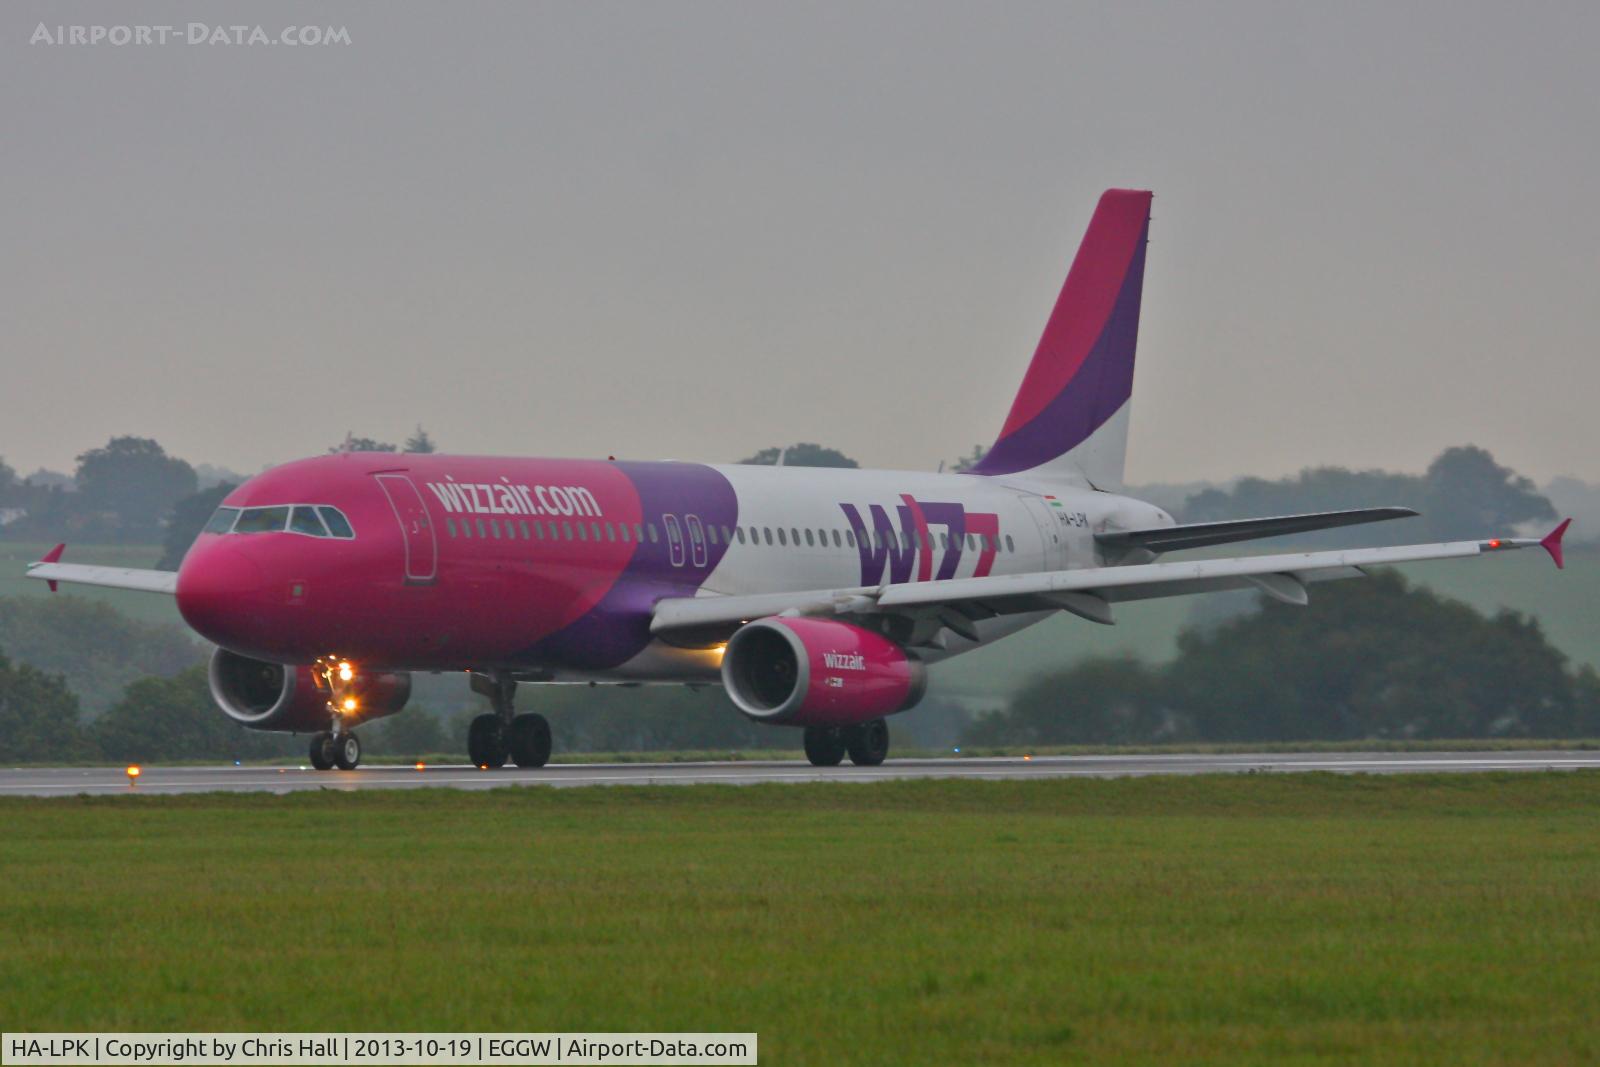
(1551,542)
(53,556)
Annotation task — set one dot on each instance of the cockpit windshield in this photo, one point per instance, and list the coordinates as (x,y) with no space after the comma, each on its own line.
(261,520)
(305,521)
(337,522)
(311,520)
(222,521)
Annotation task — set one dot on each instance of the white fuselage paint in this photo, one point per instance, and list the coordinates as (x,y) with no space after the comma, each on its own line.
(1045,535)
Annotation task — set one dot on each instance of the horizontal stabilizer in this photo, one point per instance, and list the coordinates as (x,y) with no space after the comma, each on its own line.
(1204,534)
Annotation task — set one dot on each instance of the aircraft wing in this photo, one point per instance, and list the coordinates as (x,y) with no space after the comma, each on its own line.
(1089,592)
(1205,534)
(51,570)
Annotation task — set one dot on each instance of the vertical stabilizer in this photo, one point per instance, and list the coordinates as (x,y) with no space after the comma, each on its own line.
(1070,418)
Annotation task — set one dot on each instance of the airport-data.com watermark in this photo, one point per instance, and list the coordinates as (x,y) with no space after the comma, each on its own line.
(190,33)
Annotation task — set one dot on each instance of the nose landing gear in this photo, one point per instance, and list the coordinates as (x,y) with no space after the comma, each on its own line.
(339,746)
(503,734)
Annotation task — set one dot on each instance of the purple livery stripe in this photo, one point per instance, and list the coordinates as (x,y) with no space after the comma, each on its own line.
(1082,371)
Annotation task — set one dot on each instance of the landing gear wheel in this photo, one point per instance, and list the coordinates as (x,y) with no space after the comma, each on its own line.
(347,752)
(868,743)
(529,741)
(824,746)
(486,742)
(322,751)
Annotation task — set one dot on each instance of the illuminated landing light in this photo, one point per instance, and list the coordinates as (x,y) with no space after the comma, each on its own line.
(483,766)
(133,773)
(349,703)
(1029,756)
(346,672)
(420,765)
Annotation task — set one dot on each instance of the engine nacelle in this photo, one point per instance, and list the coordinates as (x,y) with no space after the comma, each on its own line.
(818,672)
(276,696)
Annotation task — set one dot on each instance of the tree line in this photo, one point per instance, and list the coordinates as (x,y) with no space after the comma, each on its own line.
(131,492)
(1373,658)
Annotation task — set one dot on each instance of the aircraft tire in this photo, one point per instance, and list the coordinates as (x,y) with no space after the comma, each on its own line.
(825,746)
(486,742)
(529,740)
(347,752)
(868,743)
(322,751)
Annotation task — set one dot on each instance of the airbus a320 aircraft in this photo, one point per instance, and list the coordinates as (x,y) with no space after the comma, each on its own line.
(816,598)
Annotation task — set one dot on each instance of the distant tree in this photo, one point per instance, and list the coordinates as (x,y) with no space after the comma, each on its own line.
(805,454)
(135,480)
(965,463)
(209,475)
(38,716)
(419,442)
(363,444)
(187,518)
(1372,659)
(8,484)
(49,479)
(1470,495)
(97,649)
(1108,700)
(413,732)
(1463,494)
(175,718)
(1367,659)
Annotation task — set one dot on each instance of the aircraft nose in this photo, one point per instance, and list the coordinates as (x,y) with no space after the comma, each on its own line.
(219,593)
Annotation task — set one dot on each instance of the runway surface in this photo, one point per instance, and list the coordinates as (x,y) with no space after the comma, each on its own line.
(69,781)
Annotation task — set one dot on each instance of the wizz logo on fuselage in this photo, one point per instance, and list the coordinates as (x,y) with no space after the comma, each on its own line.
(886,545)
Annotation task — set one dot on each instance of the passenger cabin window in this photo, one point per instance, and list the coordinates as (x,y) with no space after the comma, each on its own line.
(261,520)
(222,520)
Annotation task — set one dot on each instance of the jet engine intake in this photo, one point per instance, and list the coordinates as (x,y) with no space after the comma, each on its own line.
(286,697)
(818,672)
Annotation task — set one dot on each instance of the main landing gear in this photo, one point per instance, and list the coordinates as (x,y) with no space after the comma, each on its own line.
(338,747)
(503,734)
(867,744)
(330,750)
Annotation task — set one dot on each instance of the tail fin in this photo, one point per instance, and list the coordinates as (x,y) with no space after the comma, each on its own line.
(1070,418)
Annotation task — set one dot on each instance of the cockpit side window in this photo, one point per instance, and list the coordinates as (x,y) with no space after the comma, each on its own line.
(305,521)
(337,523)
(222,520)
(261,520)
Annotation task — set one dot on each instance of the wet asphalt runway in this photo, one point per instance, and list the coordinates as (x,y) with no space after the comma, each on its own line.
(69,781)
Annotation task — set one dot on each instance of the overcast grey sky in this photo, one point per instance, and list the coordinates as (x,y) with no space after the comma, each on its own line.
(690,231)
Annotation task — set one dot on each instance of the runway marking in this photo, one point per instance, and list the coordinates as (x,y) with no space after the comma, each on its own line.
(171,780)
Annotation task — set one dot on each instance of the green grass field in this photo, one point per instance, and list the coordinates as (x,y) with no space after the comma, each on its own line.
(1223,919)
